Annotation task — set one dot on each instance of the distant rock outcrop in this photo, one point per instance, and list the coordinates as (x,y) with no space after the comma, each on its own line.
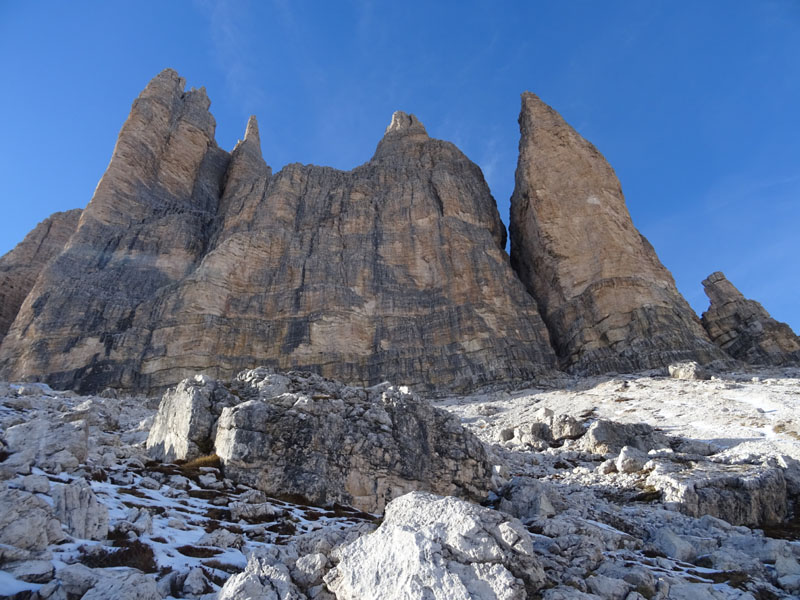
(20,267)
(190,259)
(744,329)
(608,303)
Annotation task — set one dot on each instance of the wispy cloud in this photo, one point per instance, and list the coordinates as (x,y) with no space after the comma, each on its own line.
(227,22)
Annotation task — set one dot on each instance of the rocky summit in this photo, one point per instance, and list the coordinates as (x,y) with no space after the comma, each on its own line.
(189,258)
(226,383)
(608,302)
(744,329)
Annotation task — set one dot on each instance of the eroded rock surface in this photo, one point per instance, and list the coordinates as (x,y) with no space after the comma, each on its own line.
(21,266)
(184,426)
(438,548)
(744,329)
(608,302)
(334,443)
(190,258)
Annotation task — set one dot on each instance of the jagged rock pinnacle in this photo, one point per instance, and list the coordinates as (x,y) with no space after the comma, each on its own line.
(251,133)
(608,301)
(744,329)
(405,124)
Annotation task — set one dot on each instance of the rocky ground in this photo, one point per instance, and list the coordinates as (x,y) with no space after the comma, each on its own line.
(619,487)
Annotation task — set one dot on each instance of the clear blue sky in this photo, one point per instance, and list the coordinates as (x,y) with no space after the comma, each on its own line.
(695,104)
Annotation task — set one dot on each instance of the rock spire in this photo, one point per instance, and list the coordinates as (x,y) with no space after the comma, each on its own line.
(744,329)
(189,258)
(608,302)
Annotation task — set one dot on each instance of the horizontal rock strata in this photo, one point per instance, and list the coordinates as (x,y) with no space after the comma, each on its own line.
(744,329)
(190,259)
(608,302)
(20,267)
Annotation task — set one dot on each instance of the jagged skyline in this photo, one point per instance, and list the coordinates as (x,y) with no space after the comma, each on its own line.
(691,106)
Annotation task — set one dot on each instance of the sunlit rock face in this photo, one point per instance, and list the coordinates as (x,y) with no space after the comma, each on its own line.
(190,258)
(608,302)
(20,267)
(744,329)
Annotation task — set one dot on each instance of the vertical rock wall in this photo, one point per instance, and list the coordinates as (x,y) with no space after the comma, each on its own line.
(20,267)
(191,259)
(608,302)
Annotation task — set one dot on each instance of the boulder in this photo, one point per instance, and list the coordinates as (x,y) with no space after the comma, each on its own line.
(77,507)
(26,521)
(750,495)
(630,460)
(125,585)
(48,443)
(352,447)
(441,549)
(688,370)
(608,302)
(265,578)
(529,498)
(744,329)
(184,426)
(609,437)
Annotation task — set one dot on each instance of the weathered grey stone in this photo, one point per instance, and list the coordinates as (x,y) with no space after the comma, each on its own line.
(184,426)
(630,460)
(77,507)
(26,521)
(438,548)
(749,495)
(32,571)
(48,443)
(744,329)
(349,448)
(608,302)
(190,259)
(529,498)
(22,265)
(688,370)
(124,586)
(608,437)
(264,578)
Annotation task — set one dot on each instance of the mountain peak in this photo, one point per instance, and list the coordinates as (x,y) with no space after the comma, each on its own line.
(403,123)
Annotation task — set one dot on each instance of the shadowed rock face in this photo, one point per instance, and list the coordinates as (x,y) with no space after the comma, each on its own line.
(744,329)
(608,303)
(190,259)
(20,267)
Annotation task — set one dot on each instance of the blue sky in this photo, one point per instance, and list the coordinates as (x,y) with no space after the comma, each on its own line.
(695,104)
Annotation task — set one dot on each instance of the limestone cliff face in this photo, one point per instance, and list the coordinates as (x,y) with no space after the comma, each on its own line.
(20,267)
(608,302)
(191,259)
(744,329)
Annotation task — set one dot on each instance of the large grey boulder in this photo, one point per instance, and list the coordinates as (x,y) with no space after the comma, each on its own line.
(78,508)
(26,523)
(439,549)
(48,443)
(130,585)
(749,495)
(264,578)
(184,426)
(609,437)
(349,445)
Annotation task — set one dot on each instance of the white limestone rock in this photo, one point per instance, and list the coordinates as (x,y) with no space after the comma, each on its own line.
(631,460)
(438,548)
(123,585)
(186,419)
(47,443)
(26,522)
(689,370)
(264,578)
(78,508)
